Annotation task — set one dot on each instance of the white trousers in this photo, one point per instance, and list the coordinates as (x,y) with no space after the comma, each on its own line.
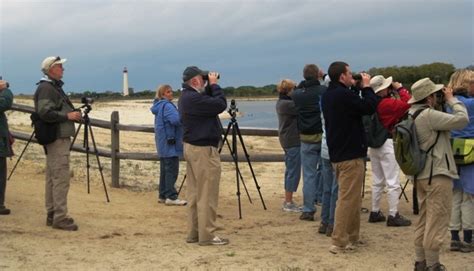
(385,172)
(462,213)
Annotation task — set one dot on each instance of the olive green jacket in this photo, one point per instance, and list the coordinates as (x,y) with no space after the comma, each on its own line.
(52,105)
(6,100)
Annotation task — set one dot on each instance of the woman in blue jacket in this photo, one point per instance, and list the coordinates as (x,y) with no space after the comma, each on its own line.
(462,213)
(169,144)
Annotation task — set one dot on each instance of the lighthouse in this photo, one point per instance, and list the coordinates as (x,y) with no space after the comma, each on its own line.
(125,82)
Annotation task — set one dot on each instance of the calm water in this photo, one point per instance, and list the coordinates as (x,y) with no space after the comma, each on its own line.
(260,114)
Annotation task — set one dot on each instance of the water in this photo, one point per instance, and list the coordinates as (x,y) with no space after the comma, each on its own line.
(259,114)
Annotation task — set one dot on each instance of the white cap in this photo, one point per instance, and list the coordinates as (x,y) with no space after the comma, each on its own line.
(50,61)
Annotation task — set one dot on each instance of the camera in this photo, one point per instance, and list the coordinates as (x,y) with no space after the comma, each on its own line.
(233,109)
(439,97)
(206,77)
(171,141)
(87,100)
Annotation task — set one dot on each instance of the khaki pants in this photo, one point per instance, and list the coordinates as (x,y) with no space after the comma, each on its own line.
(435,208)
(203,171)
(350,176)
(57,178)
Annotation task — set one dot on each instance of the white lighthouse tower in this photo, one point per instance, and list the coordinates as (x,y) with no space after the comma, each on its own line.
(125,82)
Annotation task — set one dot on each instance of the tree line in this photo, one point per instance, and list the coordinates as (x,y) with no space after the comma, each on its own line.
(407,75)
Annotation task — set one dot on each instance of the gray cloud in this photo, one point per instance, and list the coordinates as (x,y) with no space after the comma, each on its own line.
(249,42)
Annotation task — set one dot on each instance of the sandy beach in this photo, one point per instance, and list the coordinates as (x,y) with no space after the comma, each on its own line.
(135,232)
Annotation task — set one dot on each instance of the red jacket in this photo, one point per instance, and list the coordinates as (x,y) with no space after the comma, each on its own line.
(391,110)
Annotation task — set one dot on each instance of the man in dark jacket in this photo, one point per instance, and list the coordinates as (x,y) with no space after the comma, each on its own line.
(199,109)
(343,110)
(307,99)
(6,100)
(52,105)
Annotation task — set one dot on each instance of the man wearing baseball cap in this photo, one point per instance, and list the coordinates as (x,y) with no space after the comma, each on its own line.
(53,106)
(199,109)
(435,182)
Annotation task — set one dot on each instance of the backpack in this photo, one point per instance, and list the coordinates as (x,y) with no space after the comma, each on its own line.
(463,151)
(45,132)
(410,157)
(375,133)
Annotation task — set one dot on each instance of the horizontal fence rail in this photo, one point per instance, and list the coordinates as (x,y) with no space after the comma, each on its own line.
(114,153)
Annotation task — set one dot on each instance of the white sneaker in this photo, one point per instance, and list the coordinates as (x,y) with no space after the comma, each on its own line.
(178,202)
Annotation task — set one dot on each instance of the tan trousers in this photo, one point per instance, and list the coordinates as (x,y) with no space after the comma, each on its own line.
(435,207)
(203,171)
(350,176)
(57,178)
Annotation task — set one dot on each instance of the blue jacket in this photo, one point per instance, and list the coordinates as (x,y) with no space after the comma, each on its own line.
(199,115)
(167,126)
(466,173)
(343,110)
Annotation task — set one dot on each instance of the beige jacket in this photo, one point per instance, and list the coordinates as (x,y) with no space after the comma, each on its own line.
(427,124)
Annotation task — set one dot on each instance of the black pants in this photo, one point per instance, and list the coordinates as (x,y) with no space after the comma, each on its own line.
(3,180)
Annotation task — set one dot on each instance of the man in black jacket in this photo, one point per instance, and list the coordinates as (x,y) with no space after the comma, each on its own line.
(343,110)
(199,109)
(307,98)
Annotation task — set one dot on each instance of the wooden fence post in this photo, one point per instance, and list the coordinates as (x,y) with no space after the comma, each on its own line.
(115,149)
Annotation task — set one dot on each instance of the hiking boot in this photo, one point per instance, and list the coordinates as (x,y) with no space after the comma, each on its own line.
(376,217)
(323,227)
(329,230)
(50,217)
(176,202)
(337,249)
(191,240)
(4,211)
(455,245)
(398,221)
(308,216)
(436,267)
(65,225)
(161,200)
(466,247)
(216,241)
(291,207)
(420,266)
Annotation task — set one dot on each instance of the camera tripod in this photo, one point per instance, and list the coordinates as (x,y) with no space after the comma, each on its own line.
(233,151)
(88,129)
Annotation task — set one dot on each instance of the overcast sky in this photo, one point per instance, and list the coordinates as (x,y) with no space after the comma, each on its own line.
(249,42)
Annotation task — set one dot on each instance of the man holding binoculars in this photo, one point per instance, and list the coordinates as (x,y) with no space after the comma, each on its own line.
(201,102)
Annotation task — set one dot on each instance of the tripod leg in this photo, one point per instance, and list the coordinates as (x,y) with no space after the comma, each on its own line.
(75,136)
(182,183)
(234,158)
(98,163)
(21,155)
(237,130)
(86,147)
(403,191)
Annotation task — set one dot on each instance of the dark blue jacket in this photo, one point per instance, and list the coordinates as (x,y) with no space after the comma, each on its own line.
(343,110)
(199,115)
(307,97)
(167,126)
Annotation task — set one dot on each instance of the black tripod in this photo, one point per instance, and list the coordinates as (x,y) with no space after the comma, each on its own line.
(21,155)
(233,151)
(88,129)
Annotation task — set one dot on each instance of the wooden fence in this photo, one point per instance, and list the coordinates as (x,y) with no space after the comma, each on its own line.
(115,155)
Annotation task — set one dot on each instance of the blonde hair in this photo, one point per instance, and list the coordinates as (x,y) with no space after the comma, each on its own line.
(160,91)
(286,86)
(460,80)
